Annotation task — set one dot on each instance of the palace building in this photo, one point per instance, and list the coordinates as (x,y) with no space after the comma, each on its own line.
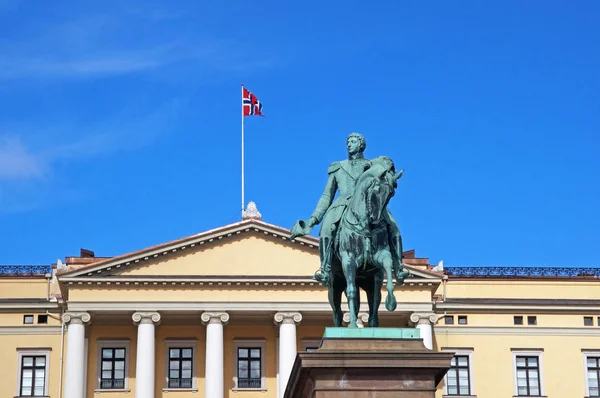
(222,314)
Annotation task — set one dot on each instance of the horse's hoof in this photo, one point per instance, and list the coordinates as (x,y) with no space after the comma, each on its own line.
(390,302)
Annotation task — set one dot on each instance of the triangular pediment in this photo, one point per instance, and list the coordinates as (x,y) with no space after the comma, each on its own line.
(250,249)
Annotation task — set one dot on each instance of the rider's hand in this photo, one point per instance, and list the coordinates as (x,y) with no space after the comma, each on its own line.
(311,222)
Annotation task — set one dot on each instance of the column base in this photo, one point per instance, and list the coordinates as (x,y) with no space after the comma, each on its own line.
(379,367)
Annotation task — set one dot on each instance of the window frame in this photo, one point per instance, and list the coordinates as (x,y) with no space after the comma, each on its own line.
(250,343)
(465,352)
(112,343)
(28,352)
(589,354)
(539,353)
(181,343)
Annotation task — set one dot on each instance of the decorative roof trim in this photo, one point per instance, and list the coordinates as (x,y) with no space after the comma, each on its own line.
(252,226)
(522,272)
(26,270)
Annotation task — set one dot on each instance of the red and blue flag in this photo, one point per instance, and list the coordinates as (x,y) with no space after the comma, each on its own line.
(251,105)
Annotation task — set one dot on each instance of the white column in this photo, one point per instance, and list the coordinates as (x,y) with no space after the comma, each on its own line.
(424,323)
(361,320)
(287,345)
(213,381)
(145,361)
(75,363)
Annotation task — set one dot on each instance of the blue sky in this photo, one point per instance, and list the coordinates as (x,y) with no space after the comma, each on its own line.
(120,121)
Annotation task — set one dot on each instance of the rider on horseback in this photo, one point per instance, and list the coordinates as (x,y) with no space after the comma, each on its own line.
(342,177)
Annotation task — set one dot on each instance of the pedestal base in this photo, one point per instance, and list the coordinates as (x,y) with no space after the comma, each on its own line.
(377,366)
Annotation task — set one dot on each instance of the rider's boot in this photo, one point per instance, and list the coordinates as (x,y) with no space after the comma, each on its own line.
(324,274)
(398,268)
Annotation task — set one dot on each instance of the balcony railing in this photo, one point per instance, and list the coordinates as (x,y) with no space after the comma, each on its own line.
(180,383)
(249,383)
(112,383)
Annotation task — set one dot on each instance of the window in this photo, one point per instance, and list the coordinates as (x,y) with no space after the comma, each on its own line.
(113,364)
(249,369)
(591,362)
(449,320)
(113,368)
(528,373)
(249,365)
(180,366)
(462,319)
(588,321)
(532,320)
(518,320)
(459,378)
(33,372)
(42,319)
(28,319)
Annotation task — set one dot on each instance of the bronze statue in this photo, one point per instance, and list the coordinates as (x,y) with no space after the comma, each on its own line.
(359,238)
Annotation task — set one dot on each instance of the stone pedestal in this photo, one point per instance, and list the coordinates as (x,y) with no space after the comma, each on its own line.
(369,362)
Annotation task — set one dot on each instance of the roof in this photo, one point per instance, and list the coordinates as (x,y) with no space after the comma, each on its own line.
(193,240)
(105,265)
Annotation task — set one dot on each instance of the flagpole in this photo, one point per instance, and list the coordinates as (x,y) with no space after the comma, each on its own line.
(243,149)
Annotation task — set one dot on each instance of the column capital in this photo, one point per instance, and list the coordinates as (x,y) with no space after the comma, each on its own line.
(363,317)
(214,317)
(80,318)
(146,317)
(424,318)
(287,318)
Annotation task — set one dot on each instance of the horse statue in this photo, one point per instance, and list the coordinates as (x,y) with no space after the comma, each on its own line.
(361,250)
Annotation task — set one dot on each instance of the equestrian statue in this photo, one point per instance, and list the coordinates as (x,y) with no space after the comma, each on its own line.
(359,240)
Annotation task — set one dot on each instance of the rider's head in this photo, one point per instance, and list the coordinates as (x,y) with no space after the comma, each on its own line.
(356,142)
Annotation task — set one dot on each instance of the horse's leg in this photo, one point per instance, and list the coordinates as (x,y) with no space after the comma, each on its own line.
(335,301)
(357,301)
(349,267)
(386,262)
(375,299)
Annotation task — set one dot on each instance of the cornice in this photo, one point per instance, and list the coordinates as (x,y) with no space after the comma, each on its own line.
(217,281)
(16,305)
(242,306)
(29,330)
(523,306)
(517,330)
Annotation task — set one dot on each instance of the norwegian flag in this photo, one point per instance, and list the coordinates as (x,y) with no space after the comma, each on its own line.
(250,104)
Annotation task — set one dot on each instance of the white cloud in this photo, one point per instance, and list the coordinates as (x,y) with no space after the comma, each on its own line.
(122,41)
(17,162)
(29,176)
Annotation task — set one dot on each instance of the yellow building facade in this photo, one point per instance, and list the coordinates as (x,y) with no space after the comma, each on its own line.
(223,313)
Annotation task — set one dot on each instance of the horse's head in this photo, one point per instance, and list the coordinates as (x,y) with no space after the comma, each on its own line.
(376,186)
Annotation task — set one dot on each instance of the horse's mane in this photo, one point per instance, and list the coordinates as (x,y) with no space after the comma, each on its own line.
(379,165)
